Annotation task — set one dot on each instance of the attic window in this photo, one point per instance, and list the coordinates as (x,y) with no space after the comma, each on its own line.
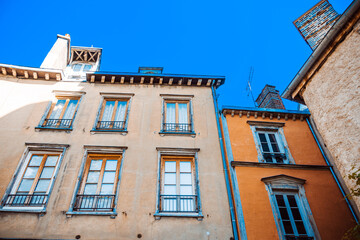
(150,70)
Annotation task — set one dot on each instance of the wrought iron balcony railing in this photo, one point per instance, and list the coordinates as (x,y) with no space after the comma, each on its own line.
(177,127)
(111,125)
(94,202)
(178,203)
(57,123)
(25,200)
(292,237)
(278,157)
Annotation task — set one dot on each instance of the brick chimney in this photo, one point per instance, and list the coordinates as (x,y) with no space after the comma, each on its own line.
(269,98)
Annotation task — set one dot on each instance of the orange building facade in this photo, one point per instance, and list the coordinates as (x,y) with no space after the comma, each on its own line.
(282,185)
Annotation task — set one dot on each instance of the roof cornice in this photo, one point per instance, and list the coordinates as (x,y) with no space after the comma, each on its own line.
(31,72)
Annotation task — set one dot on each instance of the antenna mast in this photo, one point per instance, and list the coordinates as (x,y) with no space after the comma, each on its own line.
(248,87)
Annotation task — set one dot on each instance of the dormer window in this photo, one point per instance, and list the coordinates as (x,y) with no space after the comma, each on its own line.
(81,67)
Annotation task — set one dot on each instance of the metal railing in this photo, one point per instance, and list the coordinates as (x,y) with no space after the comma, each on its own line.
(94,202)
(111,125)
(25,200)
(177,127)
(278,157)
(292,237)
(178,203)
(57,123)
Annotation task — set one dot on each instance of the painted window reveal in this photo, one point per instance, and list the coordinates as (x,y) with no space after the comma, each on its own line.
(178,193)
(99,183)
(272,149)
(113,114)
(31,189)
(291,219)
(177,117)
(62,113)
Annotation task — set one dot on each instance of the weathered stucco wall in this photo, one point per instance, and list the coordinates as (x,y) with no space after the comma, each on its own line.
(22,105)
(333,97)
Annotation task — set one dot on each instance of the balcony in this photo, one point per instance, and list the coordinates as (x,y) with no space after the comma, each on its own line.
(57,123)
(292,237)
(177,127)
(111,125)
(179,203)
(25,200)
(275,157)
(94,203)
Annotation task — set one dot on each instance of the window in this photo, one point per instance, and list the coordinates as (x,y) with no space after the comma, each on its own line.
(113,114)
(291,210)
(178,191)
(30,188)
(177,117)
(81,67)
(99,183)
(272,151)
(61,113)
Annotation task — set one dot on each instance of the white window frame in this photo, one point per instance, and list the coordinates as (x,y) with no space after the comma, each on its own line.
(283,184)
(273,128)
(33,149)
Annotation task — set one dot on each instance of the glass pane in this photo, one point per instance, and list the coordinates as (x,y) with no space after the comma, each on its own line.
(185,178)
(120,111)
(76,67)
(275,147)
(107,189)
(25,185)
(47,172)
(265,147)
(51,161)
(42,186)
(109,177)
(70,109)
(170,178)
(280,200)
(56,112)
(93,177)
(111,165)
(288,228)
(292,200)
(36,160)
(108,111)
(262,137)
(87,67)
(170,166)
(183,113)
(90,188)
(272,137)
(284,213)
(169,190)
(296,213)
(95,164)
(31,172)
(185,166)
(170,113)
(300,227)
(186,190)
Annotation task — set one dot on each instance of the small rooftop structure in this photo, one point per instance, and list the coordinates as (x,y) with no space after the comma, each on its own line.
(269,98)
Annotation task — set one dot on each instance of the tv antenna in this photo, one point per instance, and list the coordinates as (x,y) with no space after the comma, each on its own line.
(248,86)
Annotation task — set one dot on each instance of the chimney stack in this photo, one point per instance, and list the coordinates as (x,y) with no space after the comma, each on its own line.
(269,98)
(58,56)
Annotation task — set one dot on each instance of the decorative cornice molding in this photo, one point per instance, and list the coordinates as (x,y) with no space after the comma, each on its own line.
(279,165)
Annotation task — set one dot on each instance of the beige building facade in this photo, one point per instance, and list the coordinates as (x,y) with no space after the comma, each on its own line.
(329,85)
(92,155)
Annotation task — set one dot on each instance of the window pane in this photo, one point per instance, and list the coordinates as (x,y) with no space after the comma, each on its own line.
(25,185)
(265,147)
(93,177)
(107,189)
(109,177)
(292,200)
(70,109)
(31,172)
(90,188)
(169,190)
(36,160)
(284,213)
(296,213)
(275,147)
(47,172)
(87,67)
(51,161)
(111,165)
(185,166)
(56,112)
(170,113)
(120,111)
(185,178)
(42,186)
(300,227)
(272,137)
(186,190)
(95,164)
(262,137)
(170,178)
(280,200)
(76,67)
(183,113)
(170,166)
(288,228)
(108,111)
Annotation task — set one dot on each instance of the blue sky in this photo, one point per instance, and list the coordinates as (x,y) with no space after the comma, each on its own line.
(191,37)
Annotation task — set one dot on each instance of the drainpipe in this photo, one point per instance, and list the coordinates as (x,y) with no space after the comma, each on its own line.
(333,173)
(228,188)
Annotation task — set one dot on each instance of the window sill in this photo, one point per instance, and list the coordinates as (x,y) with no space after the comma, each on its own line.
(163,133)
(53,129)
(159,215)
(38,210)
(111,214)
(96,131)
